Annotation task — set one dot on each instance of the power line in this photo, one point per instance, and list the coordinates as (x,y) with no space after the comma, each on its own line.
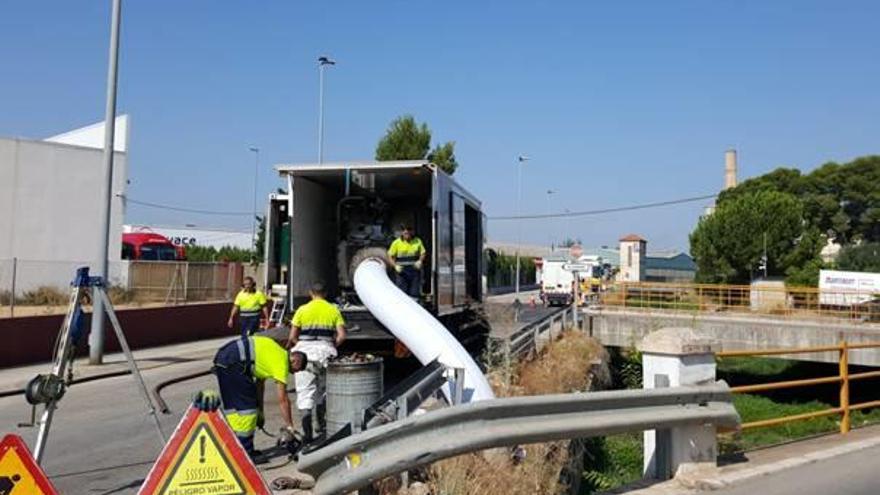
(186,210)
(606,210)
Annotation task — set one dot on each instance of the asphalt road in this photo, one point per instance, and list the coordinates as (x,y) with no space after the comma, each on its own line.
(102,440)
(849,474)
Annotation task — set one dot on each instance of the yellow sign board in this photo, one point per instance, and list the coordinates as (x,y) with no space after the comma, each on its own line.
(203,457)
(19,474)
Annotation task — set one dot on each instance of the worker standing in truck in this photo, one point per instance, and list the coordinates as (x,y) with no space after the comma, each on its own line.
(250,304)
(242,366)
(317,329)
(407,255)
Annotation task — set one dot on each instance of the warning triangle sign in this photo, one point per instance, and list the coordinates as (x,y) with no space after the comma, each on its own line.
(19,474)
(203,457)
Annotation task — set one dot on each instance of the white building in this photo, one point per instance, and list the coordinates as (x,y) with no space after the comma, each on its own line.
(51,204)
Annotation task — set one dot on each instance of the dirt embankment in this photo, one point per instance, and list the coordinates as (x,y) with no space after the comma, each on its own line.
(572,363)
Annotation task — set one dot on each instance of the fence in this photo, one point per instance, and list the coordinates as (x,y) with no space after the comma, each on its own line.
(780,301)
(844,377)
(40,287)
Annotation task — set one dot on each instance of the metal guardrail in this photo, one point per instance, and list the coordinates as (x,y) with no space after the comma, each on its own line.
(843,377)
(524,341)
(356,461)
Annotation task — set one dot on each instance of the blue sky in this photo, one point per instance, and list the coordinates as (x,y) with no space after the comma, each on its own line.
(615,102)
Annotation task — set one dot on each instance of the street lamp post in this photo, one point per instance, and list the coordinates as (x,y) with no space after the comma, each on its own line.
(550,192)
(256,152)
(322,62)
(96,339)
(520,160)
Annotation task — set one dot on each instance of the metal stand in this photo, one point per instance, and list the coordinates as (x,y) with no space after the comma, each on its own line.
(48,389)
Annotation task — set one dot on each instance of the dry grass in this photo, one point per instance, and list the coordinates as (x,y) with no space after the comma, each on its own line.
(44,296)
(562,367)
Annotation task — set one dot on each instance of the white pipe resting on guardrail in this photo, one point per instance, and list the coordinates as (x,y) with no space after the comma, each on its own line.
(422,334)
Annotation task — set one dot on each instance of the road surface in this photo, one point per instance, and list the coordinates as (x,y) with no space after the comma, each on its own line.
(102,441)
(848,474)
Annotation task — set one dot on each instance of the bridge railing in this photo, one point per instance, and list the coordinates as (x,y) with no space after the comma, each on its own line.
(780,301)
(843,378)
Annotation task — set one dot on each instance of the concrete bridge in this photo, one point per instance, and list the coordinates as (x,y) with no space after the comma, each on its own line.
(620,327)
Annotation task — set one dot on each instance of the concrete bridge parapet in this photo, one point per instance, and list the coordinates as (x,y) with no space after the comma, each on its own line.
(626,328)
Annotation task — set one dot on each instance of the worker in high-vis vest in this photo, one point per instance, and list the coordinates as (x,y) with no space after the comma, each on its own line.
(242,366)
(317,329)
(407,255)
(250,304)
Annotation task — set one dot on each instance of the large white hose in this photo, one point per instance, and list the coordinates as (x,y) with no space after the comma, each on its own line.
(416,328)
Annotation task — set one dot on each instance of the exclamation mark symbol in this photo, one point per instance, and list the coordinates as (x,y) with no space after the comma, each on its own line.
(202,449)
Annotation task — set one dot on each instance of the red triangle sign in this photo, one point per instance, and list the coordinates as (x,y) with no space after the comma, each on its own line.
(18,471)
(203,456)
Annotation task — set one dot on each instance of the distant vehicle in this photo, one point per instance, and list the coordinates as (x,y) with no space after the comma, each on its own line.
(856,291)
(557,283)
(150,246)
(840,288)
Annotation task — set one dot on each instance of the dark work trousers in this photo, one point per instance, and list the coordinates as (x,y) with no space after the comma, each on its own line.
(249,324)
(409,280)
(238,390)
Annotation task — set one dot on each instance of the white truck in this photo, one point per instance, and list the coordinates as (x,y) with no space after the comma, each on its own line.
(840,288)
(557,283)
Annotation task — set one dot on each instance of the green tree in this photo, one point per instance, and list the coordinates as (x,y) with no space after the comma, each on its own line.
(729,244)
(861,258)
(840,200)
(443,155)
(406,139)
(226,253)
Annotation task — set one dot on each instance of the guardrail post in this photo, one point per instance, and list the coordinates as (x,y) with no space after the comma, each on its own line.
(844,387)
(674,357)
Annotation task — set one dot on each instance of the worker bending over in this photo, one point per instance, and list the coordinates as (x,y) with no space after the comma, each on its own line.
(317,329)
(250,304)
(407,255)
(242,366)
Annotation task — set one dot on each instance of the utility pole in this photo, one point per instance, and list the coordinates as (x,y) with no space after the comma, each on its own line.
(764,258)
(323,61)
(520,161)
(256,152)
(550,192)
(96,339)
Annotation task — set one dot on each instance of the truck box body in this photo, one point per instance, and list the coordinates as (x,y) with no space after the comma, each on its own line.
(840,288)
(336,215)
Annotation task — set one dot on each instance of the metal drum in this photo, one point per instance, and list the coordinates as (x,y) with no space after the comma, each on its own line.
(352,386)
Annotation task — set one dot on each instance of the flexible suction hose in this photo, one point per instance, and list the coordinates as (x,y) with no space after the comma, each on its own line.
(416,328)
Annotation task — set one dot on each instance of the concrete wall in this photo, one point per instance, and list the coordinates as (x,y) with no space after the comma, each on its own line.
(627,328)
(31,339)
(50,206)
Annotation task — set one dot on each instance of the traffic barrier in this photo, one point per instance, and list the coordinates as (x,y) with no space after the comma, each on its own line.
(356,461)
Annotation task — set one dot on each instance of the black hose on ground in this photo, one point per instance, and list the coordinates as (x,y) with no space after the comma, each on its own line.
(157,390)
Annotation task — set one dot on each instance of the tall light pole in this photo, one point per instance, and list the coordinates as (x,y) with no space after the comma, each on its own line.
(256,152)
(520,161)
(322,62)
(550,192)
(96,339)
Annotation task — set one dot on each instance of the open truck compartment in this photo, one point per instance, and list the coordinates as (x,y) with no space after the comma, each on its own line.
(336,215)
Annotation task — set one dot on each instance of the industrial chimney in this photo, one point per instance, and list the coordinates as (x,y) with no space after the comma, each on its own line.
(729,169)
